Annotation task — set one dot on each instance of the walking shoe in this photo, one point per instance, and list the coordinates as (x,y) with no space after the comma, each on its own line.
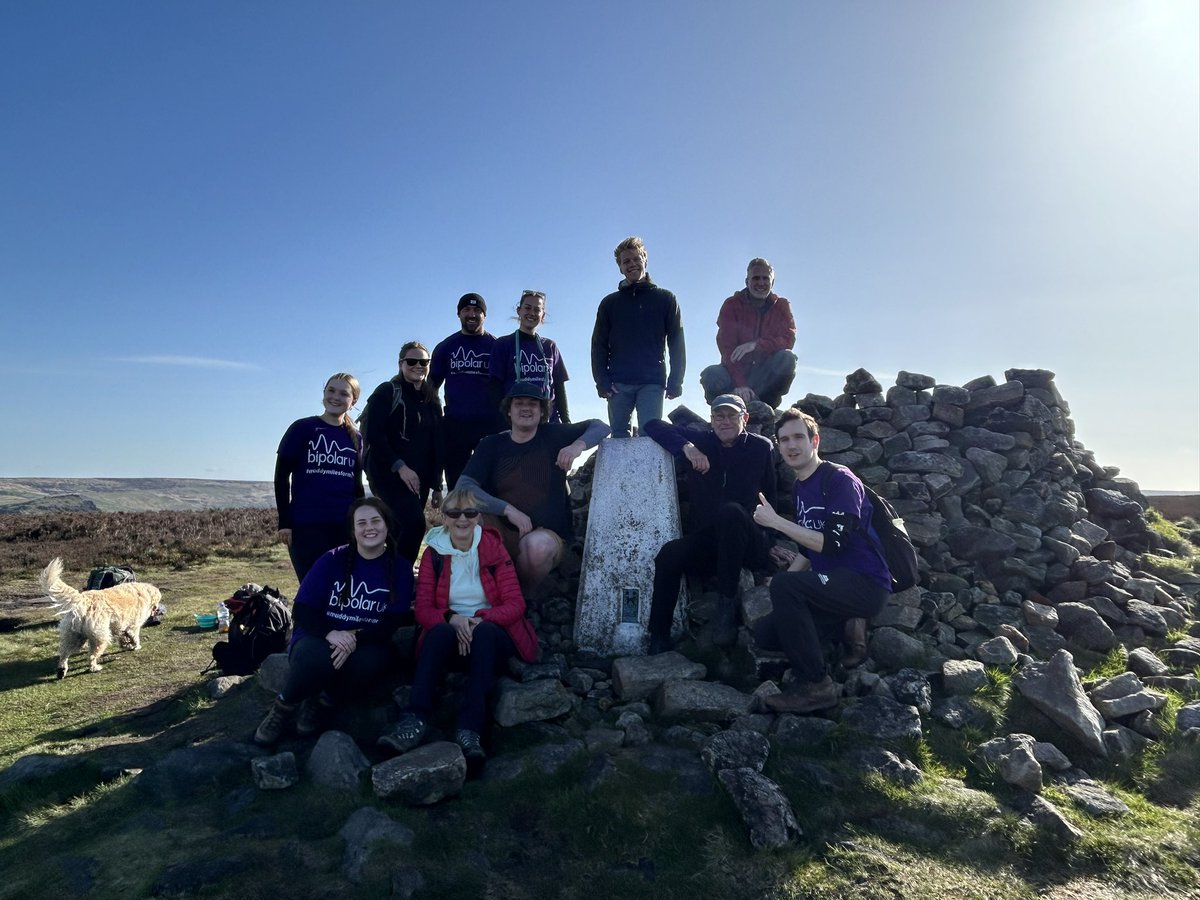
(407,735)
(804,697)
(659,643)
(312,716)
(854,643)
(279,717)
(725,623)
(472,749)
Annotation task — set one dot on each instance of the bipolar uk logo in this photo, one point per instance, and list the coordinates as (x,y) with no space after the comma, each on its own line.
(324,452)
(533,366)
(468,362)
(358,597)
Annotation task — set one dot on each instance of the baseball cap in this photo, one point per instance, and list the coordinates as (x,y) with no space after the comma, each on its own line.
(730,400)
(472,300)
(527,389)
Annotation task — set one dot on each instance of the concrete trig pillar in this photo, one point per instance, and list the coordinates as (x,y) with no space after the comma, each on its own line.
(634,510)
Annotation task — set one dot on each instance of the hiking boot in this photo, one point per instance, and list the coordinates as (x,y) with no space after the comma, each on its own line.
(407,735)
(854,644)
(312,716)
(659,643)
(472,749)
(804,697)
(279,717)
(725,623)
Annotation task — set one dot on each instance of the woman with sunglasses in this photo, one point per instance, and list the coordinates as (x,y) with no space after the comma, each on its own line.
(472,615)
(402,429)
(525,355)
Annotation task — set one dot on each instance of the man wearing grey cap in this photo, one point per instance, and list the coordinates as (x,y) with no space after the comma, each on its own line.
(520,476)
(461,362)
(729,469)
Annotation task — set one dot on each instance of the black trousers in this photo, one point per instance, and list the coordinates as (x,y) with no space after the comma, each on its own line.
(310,541)
(490,649)
(310,671)
(407,509)
(462,437)
(807,606)
(729,543)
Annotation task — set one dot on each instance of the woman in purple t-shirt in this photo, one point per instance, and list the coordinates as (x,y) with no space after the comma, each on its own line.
(525,355)
(318,474)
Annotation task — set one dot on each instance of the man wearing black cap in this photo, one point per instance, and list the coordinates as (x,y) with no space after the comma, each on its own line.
(521,476)
(462,362)
(730,468)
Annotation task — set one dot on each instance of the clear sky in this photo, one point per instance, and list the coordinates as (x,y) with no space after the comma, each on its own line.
(209,207)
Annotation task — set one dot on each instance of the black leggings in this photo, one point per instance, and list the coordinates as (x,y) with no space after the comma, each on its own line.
(806,606)
(310,671)
(310,541)
(407,524)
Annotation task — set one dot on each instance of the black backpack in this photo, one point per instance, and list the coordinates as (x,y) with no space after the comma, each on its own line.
(886,528)
(260,624)
(107,576)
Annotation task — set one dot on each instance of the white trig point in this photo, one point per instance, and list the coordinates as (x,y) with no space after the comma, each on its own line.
(634,510)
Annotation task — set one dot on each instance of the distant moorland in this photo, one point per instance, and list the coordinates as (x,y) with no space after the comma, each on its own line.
(46,495)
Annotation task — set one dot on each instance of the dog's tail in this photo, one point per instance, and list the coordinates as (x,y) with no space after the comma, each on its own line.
(62,596)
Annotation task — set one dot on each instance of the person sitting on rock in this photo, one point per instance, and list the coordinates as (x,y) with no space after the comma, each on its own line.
(838,574)
(521,476)
(730,470)
(347,608)
(755,334)
(472,615)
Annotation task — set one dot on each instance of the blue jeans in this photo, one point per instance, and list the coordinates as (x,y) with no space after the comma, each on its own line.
(646,398)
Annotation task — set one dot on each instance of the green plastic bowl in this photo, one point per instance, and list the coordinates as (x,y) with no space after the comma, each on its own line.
(206,620)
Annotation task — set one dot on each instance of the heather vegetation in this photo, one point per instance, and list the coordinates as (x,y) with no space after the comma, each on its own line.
(138,539)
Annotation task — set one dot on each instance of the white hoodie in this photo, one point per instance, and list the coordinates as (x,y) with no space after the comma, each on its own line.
(466,590)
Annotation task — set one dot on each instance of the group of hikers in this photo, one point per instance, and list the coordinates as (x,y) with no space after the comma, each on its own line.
(505,442)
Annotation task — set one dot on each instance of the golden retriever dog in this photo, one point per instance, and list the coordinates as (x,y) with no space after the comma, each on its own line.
(97,618)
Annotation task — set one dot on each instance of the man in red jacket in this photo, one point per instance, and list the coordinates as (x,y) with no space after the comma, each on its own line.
(755,334)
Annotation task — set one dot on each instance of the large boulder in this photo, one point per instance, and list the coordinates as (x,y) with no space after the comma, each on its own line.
(534,701)
(1053,687)
(422,777)
(764,808)
(637,677)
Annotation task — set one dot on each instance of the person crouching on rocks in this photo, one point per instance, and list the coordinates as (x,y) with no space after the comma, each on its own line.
(346,611)
(838,574)
(472,615)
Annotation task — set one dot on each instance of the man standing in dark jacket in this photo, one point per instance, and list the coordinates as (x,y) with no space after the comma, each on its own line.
(730,469)
(755,334)
(633,326)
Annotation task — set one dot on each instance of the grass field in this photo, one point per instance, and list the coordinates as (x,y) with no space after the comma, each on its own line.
(597,828)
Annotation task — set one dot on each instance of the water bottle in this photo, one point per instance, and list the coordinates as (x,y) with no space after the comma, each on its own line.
(222,618)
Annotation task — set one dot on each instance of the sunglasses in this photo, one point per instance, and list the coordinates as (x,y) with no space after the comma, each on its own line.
(457,513)
(537,294)
(413,361)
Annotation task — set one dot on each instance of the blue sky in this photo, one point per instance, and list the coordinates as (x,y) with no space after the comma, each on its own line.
(207,208)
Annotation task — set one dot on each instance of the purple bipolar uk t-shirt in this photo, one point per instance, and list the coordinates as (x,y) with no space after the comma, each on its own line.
(463,362)
(524,357)
(325,470)
(374,597)
(842,492)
